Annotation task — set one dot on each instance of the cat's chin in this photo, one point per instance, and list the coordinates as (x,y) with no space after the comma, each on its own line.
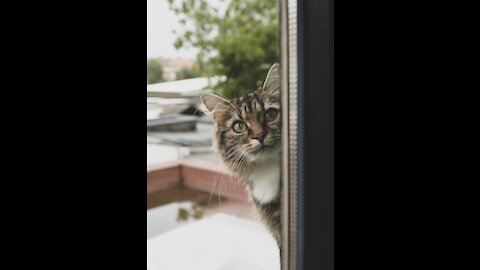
(264,153)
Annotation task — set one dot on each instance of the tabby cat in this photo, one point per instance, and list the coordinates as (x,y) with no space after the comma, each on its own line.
(248,141)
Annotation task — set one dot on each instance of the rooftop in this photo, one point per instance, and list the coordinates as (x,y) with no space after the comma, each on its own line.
(181,88)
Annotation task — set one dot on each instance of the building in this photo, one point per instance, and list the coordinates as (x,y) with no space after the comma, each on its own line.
(172,66)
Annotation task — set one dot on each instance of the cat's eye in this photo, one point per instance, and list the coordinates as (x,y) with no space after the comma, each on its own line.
(239,126)
(271,114)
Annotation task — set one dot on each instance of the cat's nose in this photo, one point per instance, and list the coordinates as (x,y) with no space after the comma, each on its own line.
(255,139)
(259,137)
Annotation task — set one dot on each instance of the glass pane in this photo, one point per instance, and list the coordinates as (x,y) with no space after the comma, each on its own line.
(214,134)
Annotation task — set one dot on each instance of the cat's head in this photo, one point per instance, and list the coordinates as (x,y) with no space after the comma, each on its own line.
(248,128)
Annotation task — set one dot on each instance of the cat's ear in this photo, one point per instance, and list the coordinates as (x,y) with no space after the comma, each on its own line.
(214,104)
(272,81)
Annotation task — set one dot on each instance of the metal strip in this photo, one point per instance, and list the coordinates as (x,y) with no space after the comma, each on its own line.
(289,128)
(285,142)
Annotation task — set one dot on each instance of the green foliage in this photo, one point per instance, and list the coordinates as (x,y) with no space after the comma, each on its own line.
(197,212)
(154,71)
(182,214)
(187,73)
(239,40)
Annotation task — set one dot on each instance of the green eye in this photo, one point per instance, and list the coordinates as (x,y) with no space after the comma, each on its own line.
(239,127)
(271,114)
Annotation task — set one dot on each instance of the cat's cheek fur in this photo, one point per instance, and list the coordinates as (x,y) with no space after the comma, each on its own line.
(265,179)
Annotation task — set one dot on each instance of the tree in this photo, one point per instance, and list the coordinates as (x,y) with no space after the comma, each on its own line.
(239,40)
(187,73)
(154,71)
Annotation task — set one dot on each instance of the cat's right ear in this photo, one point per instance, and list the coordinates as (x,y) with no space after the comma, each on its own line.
(271,86)
(214,104)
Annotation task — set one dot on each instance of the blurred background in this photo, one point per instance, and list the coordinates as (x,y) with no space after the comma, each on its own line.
(225,46)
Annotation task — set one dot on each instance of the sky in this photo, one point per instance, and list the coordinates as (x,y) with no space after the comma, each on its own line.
(160,24)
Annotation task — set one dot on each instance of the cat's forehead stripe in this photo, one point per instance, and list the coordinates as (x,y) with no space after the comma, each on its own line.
(244,111)
(257,106)
(249,104)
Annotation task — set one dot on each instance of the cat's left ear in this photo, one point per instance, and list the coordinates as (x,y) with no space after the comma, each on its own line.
(214,104)
(271,85)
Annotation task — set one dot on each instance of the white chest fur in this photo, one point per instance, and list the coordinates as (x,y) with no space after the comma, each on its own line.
(266,180)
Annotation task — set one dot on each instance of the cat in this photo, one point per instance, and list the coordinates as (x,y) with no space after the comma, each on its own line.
(248,140)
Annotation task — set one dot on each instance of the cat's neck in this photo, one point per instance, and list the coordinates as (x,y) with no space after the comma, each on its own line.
(265,179)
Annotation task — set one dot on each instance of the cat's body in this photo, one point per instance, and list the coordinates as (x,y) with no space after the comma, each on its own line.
(248,140)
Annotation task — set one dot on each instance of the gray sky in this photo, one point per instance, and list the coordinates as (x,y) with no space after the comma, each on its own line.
(160,24)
